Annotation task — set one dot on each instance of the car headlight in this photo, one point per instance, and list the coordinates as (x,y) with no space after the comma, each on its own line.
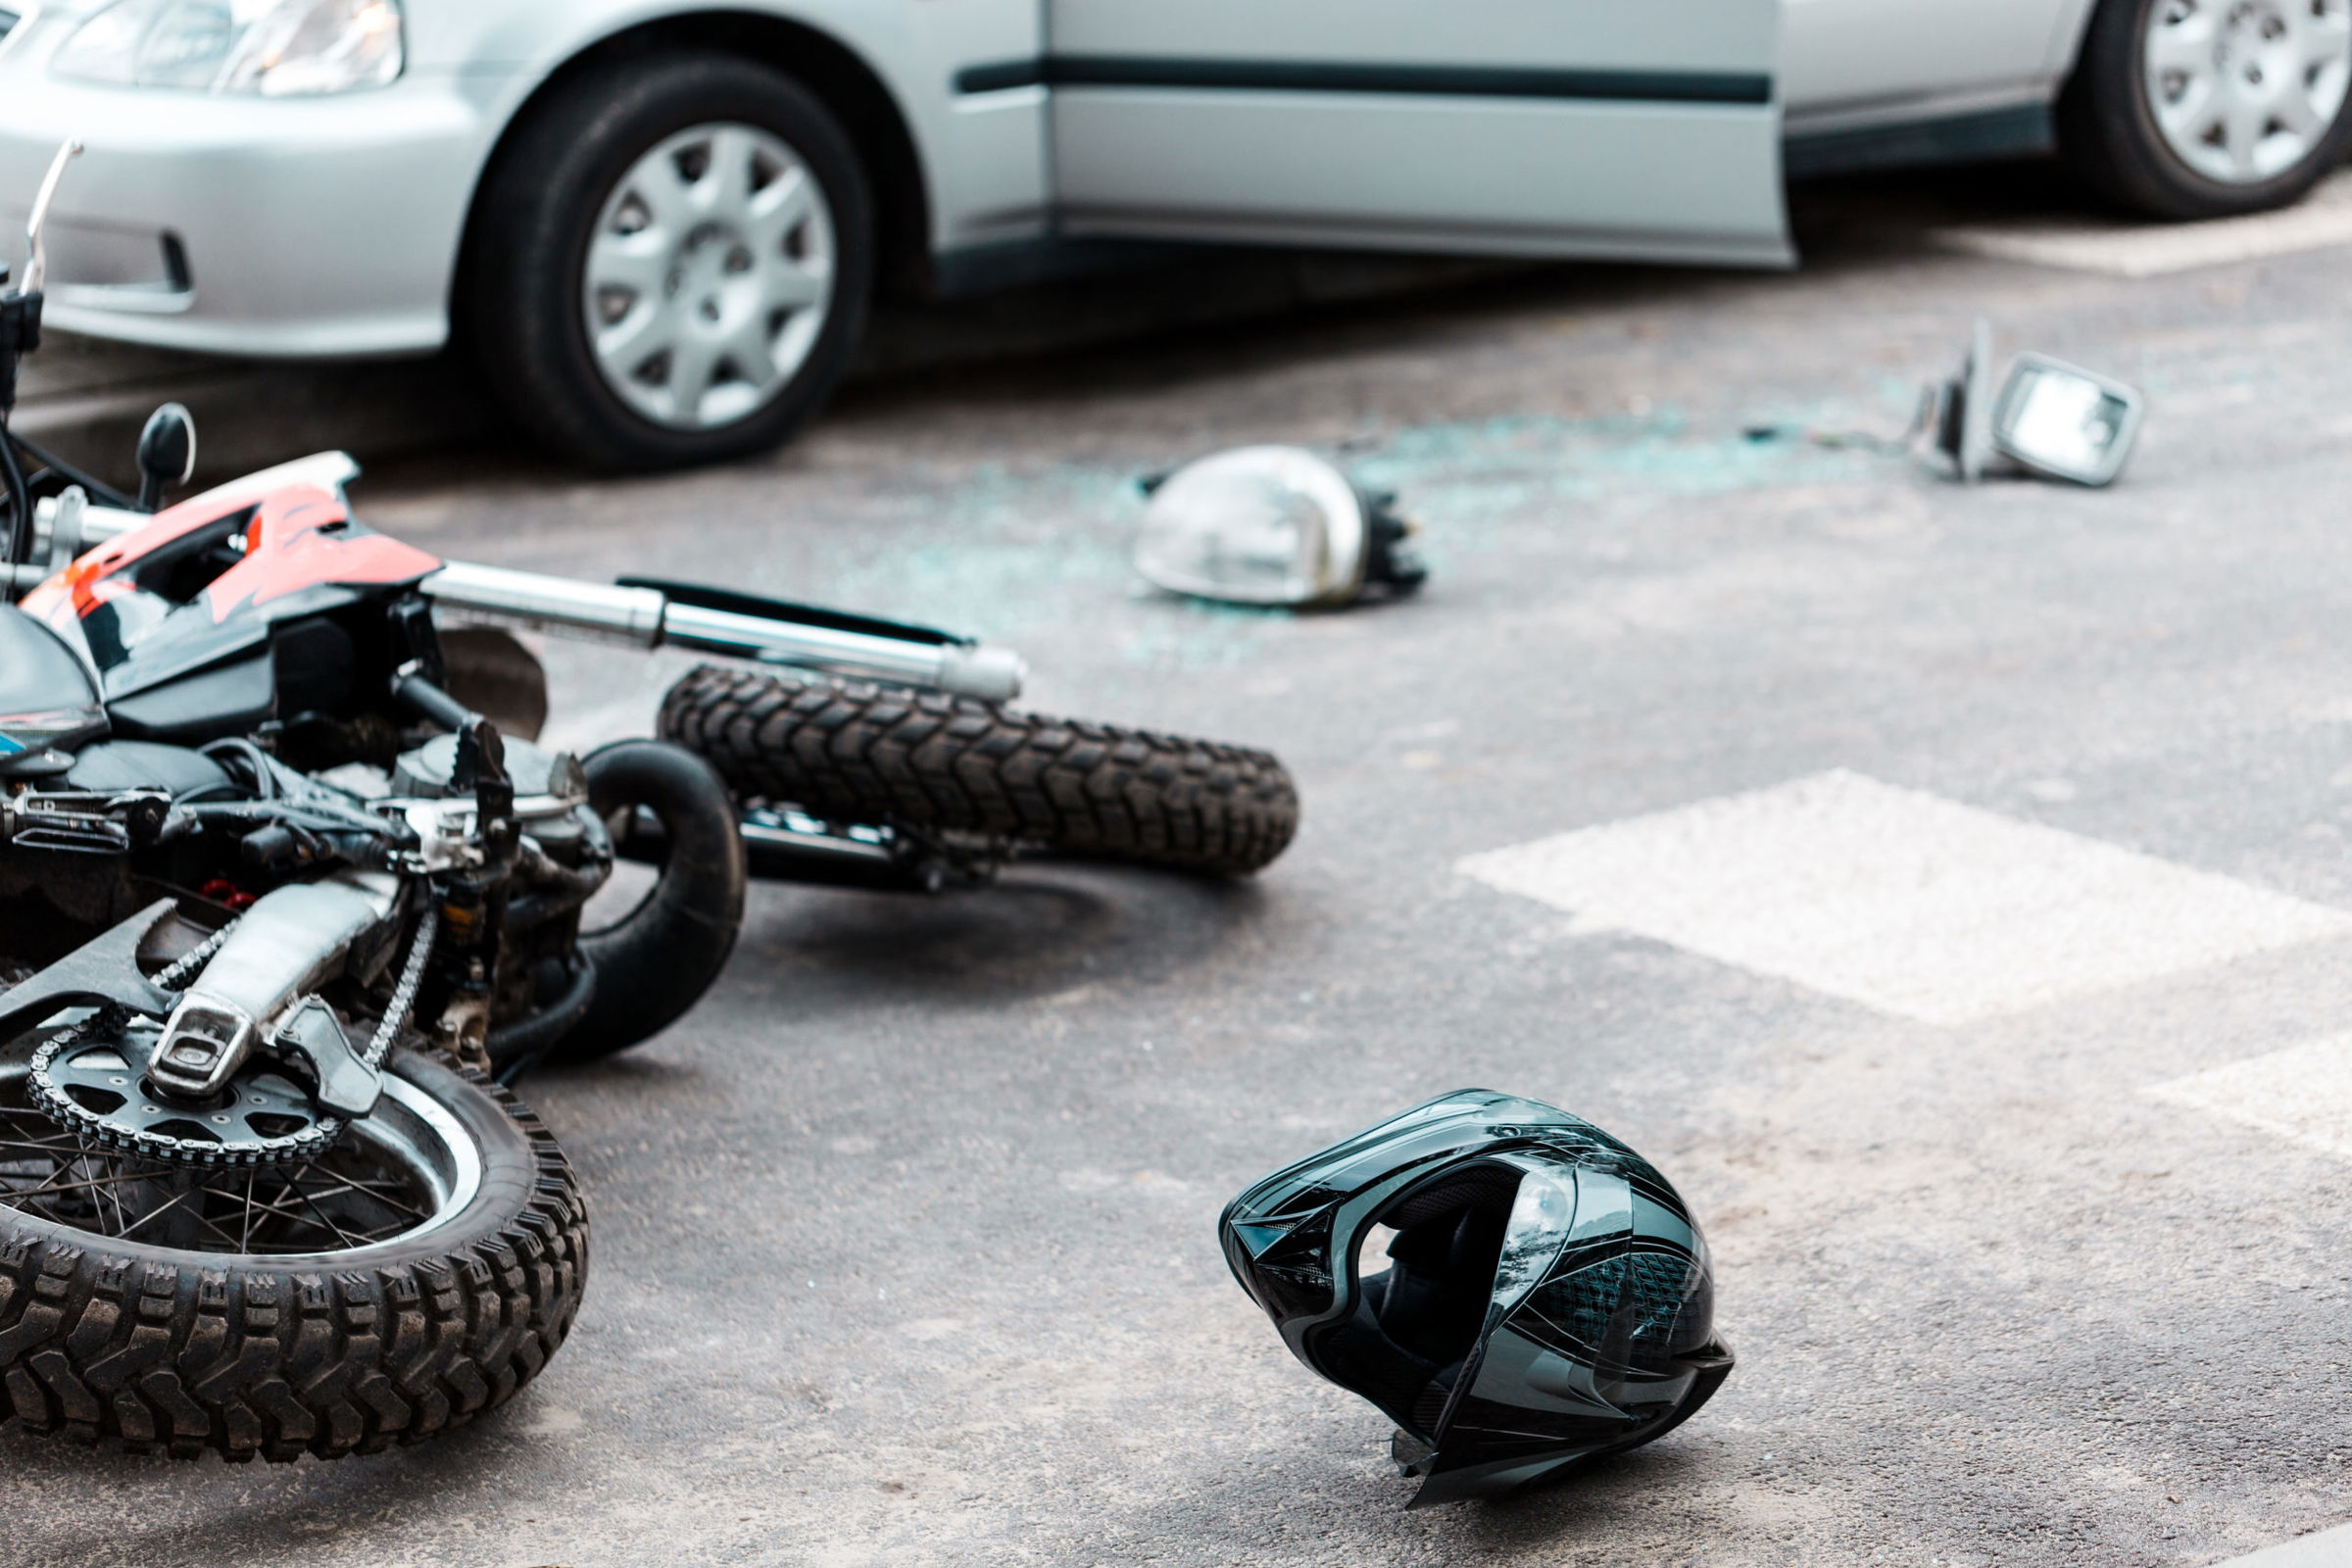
(1272,525)
(275,48)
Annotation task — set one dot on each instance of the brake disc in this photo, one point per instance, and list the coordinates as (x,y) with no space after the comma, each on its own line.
(89,1078)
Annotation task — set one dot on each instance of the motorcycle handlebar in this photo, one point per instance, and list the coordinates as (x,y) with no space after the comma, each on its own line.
(646,617)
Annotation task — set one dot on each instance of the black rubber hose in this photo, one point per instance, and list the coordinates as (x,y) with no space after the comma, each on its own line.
(19,502)
(552,891)
(98,490)
(518,1047)
(659,959)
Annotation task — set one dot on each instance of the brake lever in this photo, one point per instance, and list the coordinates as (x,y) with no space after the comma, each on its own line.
(36,245)
(20,335)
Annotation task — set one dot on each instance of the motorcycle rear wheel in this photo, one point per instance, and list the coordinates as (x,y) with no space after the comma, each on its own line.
(413,1277)
(859,752)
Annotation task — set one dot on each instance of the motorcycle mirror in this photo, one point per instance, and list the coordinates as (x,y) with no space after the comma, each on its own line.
(166,453)
(37,249)
(1272,525)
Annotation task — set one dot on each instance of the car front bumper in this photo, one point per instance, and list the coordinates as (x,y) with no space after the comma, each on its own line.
(229,225)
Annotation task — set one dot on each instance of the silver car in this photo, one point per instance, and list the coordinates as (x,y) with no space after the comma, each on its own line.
(659,224)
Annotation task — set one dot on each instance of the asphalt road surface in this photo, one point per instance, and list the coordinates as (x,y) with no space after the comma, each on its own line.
(1947,888)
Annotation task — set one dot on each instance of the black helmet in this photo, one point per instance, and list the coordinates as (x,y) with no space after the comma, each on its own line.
(1546,1296)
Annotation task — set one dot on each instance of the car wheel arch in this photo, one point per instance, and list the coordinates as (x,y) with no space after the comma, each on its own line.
(829,69)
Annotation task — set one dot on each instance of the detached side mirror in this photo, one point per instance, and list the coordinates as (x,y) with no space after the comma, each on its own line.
(2065,422)
(1963,429)
(2046,417)
(166,453)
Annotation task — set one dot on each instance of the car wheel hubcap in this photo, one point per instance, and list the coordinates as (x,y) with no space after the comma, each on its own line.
(2244,90)
(709,277)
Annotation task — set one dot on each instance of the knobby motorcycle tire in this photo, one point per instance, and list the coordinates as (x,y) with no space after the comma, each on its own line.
(853,752)
(126,1344)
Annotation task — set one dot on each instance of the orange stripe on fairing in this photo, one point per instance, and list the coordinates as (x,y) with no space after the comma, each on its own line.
(285,553)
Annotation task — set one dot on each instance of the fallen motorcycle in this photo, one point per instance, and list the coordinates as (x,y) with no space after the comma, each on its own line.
(284,907)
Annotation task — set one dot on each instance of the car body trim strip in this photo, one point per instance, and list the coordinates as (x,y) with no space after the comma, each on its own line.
(1308,76)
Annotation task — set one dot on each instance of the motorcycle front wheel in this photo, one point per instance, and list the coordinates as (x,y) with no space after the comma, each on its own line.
(857,752)
(414,1276)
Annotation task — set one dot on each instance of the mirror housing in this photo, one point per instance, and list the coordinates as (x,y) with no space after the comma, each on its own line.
(2047,418)
(166,453)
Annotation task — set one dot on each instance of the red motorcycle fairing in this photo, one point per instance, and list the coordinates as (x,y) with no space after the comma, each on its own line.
(207,579)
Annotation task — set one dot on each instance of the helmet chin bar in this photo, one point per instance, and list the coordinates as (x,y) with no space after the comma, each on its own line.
(1548,1298)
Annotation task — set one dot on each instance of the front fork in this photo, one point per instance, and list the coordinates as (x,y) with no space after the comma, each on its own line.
(782,844)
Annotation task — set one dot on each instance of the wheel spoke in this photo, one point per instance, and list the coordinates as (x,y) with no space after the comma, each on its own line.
(774,213)
(748,349)
(638,263)
(175,1201)
(2327,36)
(725,188)
(367,1191)
(111,1197)
(650,328)
(53,1185)
(2242,125)
(663,188)
(692,364)
(65,1145)
(341,1234)
(2298,115)
(796,285)
(2193,118)
(2185,46)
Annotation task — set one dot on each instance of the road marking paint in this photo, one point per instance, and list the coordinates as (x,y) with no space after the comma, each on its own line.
(1901,901)
(2148,250)
(2303,1093)
(2322,1548)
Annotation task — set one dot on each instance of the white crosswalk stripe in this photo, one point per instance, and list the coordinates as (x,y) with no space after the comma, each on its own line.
(2303,1093)
(1901,901)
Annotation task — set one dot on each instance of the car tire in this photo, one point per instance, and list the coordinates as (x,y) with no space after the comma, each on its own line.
(562,184)
(2142,150)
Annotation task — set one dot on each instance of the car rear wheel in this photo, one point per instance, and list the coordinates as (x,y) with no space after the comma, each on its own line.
(672,262)
(2191,108)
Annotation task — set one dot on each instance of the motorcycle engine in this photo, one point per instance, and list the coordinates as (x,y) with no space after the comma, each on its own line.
(546,783)
(551,793)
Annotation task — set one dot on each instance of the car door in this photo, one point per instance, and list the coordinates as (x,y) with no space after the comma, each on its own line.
(1881,62)
(1567,128)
